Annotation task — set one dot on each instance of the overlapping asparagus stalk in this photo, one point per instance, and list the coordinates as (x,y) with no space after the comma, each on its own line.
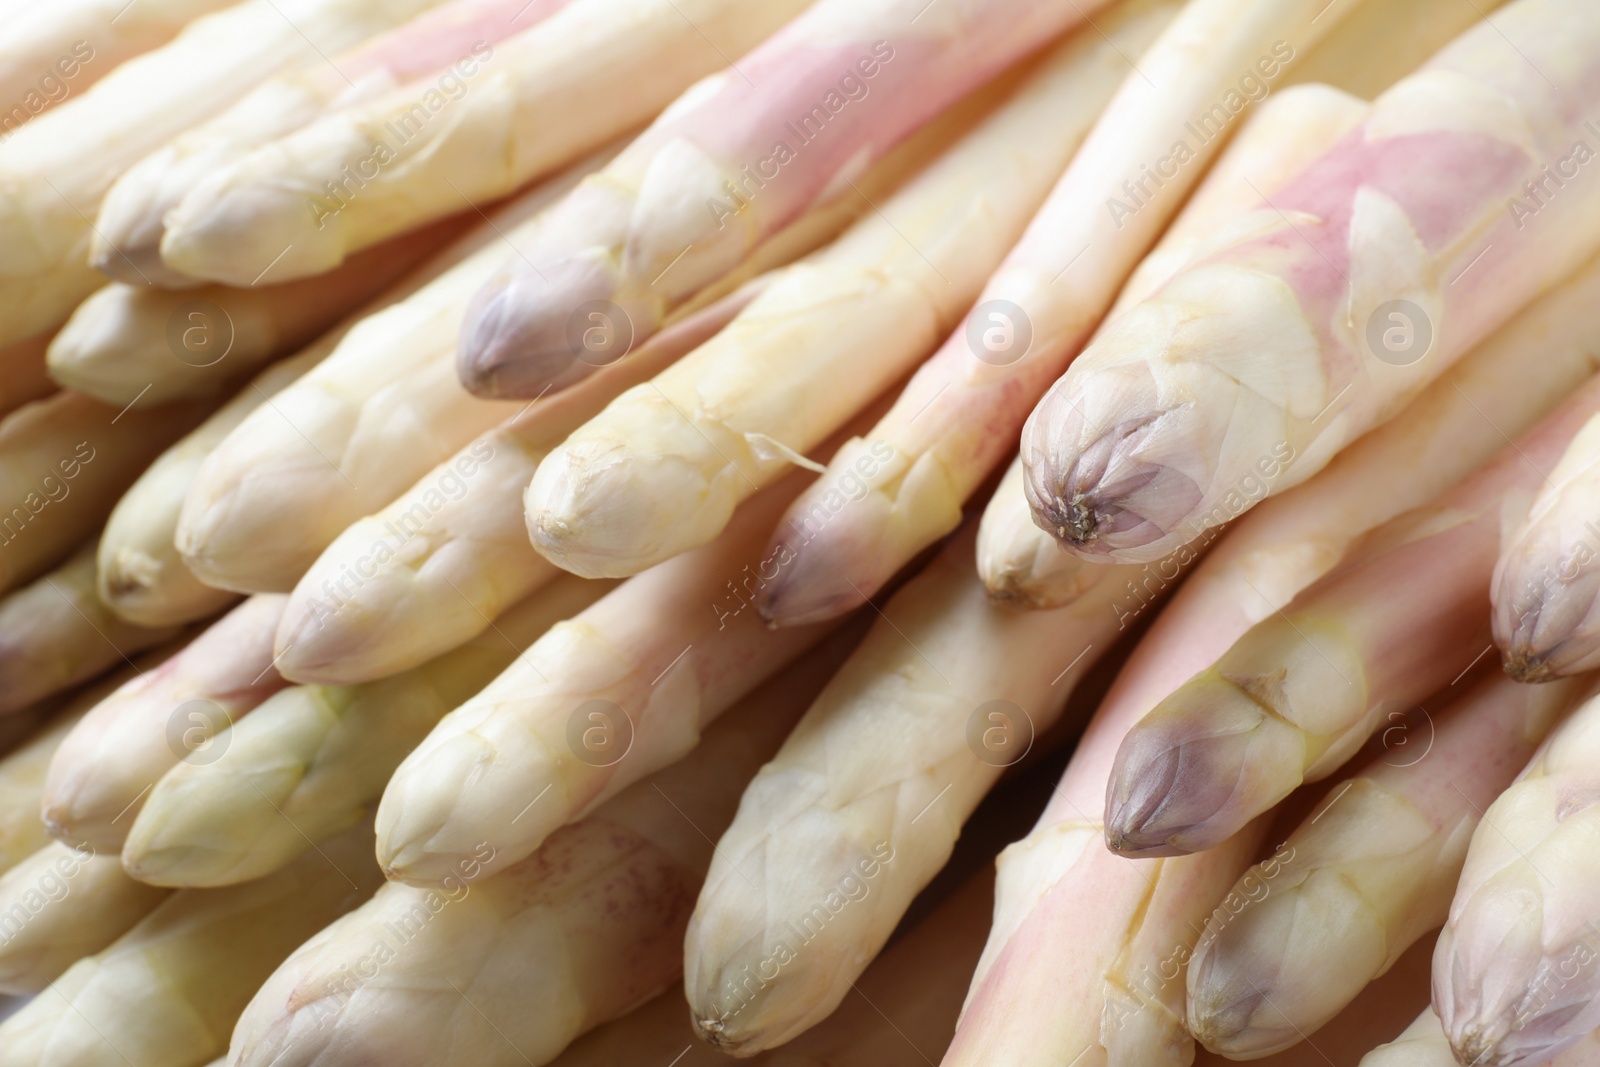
(64,460)
(129,227)
(311,761)
(55,633)
(347,437)
(1365,280)
(24,375)
(591,925)
(505,115)
(1294,697)
(170,989)
(605,698)
(1366,875)
(1544,586)
(732,162)
(1513,974)
(52,52)
(662,468)
(1423,1044)
(22,775)
(459,560)
(56,168)
(132,341)
(872,789)
(960,414)
(107,766)
(60,905)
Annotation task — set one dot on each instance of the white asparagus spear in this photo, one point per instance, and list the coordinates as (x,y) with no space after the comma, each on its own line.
(22,774)
(52,52)
(168,992)
(55,633)
(460,559)
(1365,280)
(605,698)
(1432,443)
(1371,870)
(56,168)
(60,905)
(509,114)
(1021,563)
(129,226)
(733,160)
(64,460)
(662,468)
(946,691)
(1545,593)
(24,375)
(313,760)
(1514,980)
(339,442)
(1380,42)
(132,341)
(106,767)
(581,932)
(1424,1044)
(961,412)
(141,575)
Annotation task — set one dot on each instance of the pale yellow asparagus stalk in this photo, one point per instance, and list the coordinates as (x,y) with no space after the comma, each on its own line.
(960,414)
(168,992)
(24,375)
(1381,41)
(1019,562)
(662,468)
(56,168)
(130,342)
(106,767)
(1424,1044)
(1544,585)
(22,775)
(141,575)
(64,460)
(1367,874)
(458,540)
(1365,280)
(60,905)
(510,969)
(510,113)
(129,227)
(945,693)
(348,436)
(605,698)
(1513,974)
(52,52)
(1294,697)
(55,633)
(313,760)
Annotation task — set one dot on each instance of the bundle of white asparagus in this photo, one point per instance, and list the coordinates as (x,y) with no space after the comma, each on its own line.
(575,531)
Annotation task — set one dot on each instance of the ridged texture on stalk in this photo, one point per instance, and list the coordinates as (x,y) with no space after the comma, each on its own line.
(311,761)
(1312,321)
(105,769)
(55,633)
(168,992)
(583,931)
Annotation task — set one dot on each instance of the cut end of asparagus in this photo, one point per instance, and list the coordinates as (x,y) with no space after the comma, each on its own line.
(529,333)
(1205,762)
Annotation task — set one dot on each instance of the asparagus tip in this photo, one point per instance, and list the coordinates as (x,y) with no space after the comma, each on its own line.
(1527,667)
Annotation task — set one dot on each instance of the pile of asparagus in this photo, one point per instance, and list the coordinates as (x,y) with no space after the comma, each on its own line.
(529,530)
